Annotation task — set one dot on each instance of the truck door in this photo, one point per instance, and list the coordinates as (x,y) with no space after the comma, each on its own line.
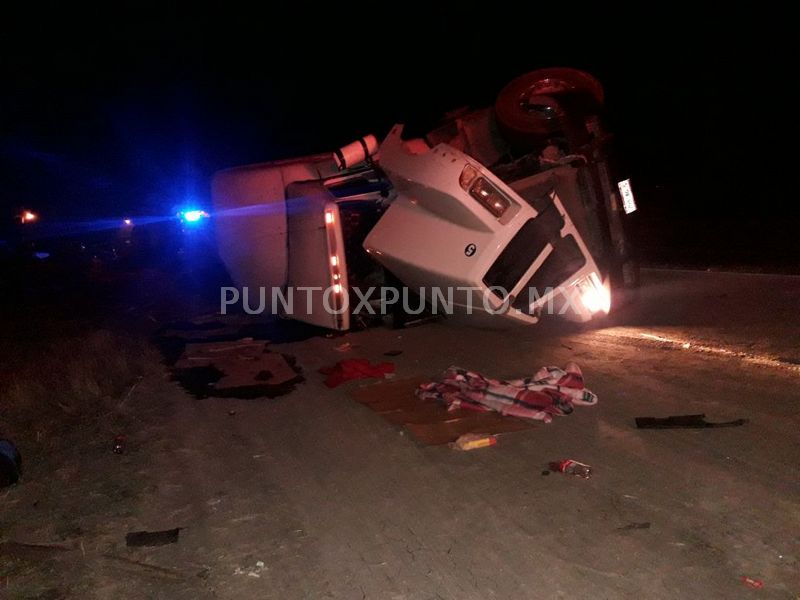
(317,270)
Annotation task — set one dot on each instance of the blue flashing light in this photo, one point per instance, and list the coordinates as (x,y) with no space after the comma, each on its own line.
(193,216)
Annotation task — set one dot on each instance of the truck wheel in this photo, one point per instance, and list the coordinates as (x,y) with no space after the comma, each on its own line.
(527,108)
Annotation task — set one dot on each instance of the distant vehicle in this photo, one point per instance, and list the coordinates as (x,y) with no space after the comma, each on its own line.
(512,208)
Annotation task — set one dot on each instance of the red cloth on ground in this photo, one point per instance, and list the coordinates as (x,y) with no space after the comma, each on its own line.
(354,368)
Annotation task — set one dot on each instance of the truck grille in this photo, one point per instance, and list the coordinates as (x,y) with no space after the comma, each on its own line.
(524,248)
(565,259)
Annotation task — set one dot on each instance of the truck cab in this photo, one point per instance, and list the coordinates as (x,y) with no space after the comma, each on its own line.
(500,214)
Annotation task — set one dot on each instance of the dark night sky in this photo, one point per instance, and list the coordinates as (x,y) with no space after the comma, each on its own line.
(132,116)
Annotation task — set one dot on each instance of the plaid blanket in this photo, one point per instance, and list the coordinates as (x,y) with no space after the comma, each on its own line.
(551,391)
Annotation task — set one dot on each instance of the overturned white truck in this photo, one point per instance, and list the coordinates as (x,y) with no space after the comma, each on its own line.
(498,214)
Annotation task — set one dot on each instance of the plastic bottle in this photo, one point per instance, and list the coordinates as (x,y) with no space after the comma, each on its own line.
(572,467)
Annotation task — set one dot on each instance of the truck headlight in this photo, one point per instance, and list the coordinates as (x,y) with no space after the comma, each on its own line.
(594,294)
(483,191)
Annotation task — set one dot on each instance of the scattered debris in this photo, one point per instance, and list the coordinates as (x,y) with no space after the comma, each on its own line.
(253,571)
(756,584)
(345,347)
(152,538)
(355,368)
(632,526)
(572,467)
(393,353)
(268,369)
(242,368)
(551,391)
(473,441)
(10,463)
(683,422)
(205,354)
(119,444)
(428,422)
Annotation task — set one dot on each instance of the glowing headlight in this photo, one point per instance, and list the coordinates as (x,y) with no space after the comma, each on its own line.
(483,191)
(594,294)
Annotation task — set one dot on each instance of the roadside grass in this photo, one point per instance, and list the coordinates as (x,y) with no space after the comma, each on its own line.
(64,394)
(77,369)
(53,381)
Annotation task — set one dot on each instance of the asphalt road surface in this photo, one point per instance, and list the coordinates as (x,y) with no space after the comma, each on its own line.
(312,495)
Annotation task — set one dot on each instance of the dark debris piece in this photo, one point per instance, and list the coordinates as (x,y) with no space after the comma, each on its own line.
(152,538)
(683,422)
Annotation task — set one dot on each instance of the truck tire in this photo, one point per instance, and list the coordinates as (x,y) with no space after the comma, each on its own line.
(527,108)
